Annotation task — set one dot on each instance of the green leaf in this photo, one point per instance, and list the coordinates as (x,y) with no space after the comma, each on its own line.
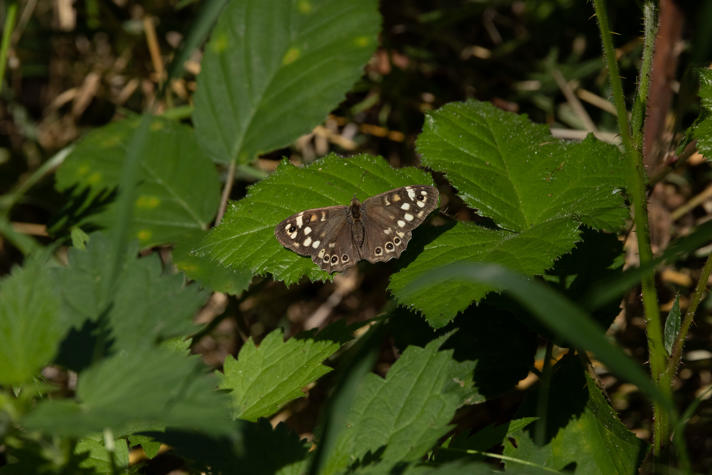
(149,386)
(245,239)
(99,459)
(408,411)
(265,378)
(582,429)
(30,322)
(535,187)
(273,70)
(254,448)
(565,319)
(703,130)
(516,173)
(178,187)
(672,325)
(199,268)
(530,252)
(148,306)
(150,446)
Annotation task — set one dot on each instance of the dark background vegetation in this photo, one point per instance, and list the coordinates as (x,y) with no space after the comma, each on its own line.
(70,74)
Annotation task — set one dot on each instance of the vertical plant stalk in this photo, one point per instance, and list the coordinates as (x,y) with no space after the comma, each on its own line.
(638,112)
(542,403)
(636,188)
(676,353)
(6,34)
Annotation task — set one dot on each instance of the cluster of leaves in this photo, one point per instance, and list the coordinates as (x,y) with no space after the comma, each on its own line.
(271,71)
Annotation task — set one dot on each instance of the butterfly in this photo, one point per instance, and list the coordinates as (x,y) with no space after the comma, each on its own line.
(377,230)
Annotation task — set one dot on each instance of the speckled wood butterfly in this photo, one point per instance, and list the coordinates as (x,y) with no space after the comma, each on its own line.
(377,230)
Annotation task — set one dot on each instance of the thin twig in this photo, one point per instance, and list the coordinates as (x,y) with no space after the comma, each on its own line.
(700,290)
(573,101)
(229,180)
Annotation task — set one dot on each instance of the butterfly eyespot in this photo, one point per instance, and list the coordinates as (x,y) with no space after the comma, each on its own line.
(378,251)
(334,259)
(420,197)
(345,258)
(397,241)
(292,228)
(389,246)
(326,258)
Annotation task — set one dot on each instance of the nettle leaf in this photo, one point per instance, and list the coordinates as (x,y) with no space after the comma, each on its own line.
(148,306)
(703,130)
(30,322)
(582,429)
(273,70)
(178,190)
(265,378)
(245,239)
(406,413)
(101,460)
(538,189)
(145,387)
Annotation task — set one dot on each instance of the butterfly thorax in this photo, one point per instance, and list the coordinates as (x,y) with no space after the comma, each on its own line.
(358,233)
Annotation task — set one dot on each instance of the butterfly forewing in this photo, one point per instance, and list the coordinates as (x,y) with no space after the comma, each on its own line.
(324,234)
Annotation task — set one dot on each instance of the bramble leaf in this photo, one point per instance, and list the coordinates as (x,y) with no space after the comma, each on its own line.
(538,189)
(245,239)
(178,189)
(273,70)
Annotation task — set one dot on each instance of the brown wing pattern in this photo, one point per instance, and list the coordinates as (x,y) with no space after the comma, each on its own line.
(324,234)
(390,217)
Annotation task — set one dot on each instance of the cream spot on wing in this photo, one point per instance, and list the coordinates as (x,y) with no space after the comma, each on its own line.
(395,197)
(420,214)
(293,235)
(307,241)
(400,234)
(323,216)
(315,244)
(307,230)
(321,254)
(385,201)
(401,223)
(331,245)
(313,218)
(421,204)
(387,231)
(296,244)
(405,206)
(300,222)
(411,192)
(424,193)
(408,217)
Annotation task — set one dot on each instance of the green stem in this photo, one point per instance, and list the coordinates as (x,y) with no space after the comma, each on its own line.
(636,189)
(638,112)
(676,354)
(542,404)
(6,35)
